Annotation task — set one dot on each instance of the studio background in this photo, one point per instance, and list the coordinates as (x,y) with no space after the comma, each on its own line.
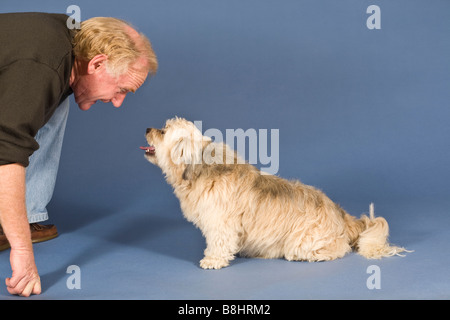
(362,114)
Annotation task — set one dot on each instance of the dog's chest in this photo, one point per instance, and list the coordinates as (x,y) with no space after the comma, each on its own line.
(204,201)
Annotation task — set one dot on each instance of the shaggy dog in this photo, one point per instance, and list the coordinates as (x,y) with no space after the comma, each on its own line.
(241,210)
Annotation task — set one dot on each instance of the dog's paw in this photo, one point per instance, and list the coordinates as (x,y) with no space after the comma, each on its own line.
(213,263)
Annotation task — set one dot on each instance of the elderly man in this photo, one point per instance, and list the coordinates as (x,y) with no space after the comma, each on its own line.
(42,62)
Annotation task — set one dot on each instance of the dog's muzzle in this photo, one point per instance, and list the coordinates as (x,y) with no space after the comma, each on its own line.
(149,150)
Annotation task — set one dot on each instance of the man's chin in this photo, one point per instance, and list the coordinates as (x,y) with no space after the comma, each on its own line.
(86,105)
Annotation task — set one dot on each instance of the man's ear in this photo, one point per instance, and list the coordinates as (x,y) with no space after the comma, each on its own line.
(96,63)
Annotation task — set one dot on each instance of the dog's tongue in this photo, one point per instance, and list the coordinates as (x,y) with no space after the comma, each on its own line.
(148,149)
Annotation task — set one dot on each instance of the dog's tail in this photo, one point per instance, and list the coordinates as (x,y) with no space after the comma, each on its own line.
(370,236)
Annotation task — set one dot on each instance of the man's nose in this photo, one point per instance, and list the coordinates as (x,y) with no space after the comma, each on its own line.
(118,100)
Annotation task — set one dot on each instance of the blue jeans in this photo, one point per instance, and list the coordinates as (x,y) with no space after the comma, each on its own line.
(43,168)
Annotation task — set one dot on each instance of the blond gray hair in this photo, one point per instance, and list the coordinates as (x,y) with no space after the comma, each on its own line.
(111,36)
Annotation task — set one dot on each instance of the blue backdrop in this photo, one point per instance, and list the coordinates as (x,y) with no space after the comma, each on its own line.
(362,114)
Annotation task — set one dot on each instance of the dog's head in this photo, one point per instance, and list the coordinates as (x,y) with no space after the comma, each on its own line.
(172,148)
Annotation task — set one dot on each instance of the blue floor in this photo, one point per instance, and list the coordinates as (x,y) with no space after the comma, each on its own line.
(148,253)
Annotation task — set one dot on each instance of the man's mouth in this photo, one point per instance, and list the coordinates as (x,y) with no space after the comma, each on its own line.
(149,150)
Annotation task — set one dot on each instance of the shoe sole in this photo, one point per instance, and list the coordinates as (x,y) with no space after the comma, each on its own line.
(53,236)
(50,237)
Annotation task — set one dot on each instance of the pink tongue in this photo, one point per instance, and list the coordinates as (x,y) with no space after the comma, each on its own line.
(147,148)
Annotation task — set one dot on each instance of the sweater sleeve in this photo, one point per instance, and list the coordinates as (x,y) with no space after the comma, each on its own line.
(28,90)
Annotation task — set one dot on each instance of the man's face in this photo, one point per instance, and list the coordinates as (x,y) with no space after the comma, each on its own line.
(96,83)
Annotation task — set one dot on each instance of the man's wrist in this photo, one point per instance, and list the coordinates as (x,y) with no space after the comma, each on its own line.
(21,244)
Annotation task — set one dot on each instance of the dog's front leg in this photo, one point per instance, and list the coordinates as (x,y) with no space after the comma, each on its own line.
(221,246)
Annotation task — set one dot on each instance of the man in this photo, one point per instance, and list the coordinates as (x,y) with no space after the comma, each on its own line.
(42,62)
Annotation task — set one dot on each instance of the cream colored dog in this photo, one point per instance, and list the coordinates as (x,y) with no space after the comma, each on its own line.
(240,210)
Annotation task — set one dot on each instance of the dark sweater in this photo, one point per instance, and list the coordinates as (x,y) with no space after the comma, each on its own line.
(35,66)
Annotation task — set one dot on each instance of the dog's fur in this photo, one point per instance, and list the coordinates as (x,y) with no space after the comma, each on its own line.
(240,210)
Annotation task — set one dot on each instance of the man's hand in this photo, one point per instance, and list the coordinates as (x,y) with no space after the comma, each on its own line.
(25,278)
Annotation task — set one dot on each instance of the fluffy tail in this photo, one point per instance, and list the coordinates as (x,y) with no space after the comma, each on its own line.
(372,240)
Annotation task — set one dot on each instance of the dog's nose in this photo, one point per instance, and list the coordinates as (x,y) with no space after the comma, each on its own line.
(148,130)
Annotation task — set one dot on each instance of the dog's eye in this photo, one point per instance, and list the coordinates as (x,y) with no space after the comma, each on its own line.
(163,131)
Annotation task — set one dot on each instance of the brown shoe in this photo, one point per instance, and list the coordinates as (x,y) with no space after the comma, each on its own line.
(39,233)
(42,232)
(4,244)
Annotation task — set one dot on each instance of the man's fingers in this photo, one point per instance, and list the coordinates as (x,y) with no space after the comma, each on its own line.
(37,287)
(12,282)
(15,285)
(28,289)
(23,287)
(15,282)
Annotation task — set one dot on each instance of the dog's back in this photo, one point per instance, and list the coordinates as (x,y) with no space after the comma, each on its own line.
(289,219)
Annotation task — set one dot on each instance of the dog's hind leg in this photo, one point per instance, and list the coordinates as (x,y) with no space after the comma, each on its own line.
(333,250)
(312,249)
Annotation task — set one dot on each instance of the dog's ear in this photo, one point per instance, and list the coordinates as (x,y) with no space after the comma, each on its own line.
(187,151)
(192,171)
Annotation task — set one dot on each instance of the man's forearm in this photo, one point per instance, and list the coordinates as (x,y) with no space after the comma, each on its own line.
(13,215)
